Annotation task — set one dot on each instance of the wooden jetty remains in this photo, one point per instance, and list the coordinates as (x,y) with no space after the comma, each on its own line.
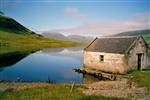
(95,73)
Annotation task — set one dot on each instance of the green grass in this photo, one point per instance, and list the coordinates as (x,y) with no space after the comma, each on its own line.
(142,78)
(50,92)
(10,42)
(11,25)
(148,40)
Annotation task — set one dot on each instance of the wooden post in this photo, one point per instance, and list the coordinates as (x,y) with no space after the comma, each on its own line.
(72,87)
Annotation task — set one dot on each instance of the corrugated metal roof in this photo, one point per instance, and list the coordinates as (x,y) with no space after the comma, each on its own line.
(111,44)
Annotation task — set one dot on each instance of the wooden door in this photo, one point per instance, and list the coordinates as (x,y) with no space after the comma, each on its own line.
(139,61)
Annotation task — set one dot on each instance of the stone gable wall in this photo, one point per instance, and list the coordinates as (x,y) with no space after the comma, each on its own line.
(138,47)
(112,62)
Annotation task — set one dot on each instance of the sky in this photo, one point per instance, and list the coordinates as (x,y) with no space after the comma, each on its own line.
(80,17)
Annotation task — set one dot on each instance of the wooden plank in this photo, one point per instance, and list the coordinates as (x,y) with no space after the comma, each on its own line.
(97,74)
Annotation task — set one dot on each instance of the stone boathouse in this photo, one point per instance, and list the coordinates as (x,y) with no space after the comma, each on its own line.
(117,54)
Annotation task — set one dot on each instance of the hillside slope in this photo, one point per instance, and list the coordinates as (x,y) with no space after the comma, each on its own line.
(9,24)
(60,36)
(16,37)
(144,33)
(54,35)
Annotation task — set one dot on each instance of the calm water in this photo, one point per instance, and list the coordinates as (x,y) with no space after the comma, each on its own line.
(48,64)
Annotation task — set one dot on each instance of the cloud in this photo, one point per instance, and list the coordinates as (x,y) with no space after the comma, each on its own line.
(136,22)
(73,12)
(142,17)
(70,10)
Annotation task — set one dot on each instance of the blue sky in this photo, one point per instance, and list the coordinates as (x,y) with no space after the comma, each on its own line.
(79,16)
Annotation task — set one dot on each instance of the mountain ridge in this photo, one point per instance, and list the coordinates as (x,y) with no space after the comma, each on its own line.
(145,33)
(11,25)
(16,37)
(60,36)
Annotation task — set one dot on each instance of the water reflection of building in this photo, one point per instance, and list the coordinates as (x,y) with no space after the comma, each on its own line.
(89,79)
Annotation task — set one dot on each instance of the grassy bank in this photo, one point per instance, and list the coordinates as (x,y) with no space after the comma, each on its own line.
(44,91)
(142,78)
(148,40)
(10,42)
(16,37)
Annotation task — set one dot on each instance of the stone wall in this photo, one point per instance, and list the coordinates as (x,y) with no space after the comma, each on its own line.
(138,48)
(112,62)
(148,60)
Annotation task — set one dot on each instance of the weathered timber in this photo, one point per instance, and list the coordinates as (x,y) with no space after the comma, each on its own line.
(97,74)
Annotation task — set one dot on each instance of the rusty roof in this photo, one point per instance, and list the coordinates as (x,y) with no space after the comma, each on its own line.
(111,44)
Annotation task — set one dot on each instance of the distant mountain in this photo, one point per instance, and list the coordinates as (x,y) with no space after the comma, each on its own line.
(54,35)
(60,36)
(80,38)
(145,33)
(16,37)
(9,24)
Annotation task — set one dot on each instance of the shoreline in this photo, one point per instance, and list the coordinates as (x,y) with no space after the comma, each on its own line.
(120,89)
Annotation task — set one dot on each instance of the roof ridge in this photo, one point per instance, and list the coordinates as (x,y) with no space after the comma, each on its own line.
(109,44)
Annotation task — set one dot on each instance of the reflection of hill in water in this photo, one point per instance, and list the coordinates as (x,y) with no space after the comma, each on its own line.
(69,52)
(89,79)
(75,48)
(1,69)
(58,50)
(11,58)
(52,50)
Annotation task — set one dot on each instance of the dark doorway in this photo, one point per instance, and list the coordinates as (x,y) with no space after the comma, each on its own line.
(139,61)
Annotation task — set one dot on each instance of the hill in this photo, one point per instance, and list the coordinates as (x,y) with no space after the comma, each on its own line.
(1,13)
(80,38)
(54,35)
(16,37)
(9,24)
(145,33)
(60,36)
